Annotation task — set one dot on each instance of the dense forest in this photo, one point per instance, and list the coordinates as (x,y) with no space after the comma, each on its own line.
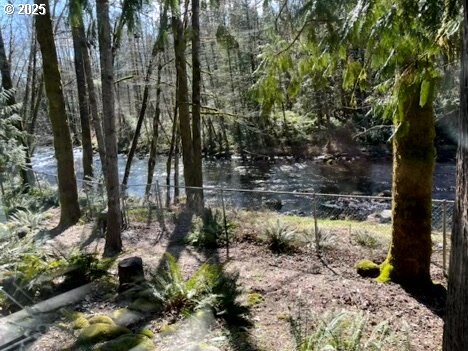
(188,266)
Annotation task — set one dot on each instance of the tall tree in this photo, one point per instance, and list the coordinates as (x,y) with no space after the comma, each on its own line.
(400,55)
(192,163)
(196,101)
(68,194)
(114,217)
(456,319)
(76,21)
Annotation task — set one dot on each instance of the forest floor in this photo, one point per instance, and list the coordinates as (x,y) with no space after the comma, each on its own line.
(275,287)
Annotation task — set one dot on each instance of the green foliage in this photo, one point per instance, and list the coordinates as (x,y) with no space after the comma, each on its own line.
(11,152)
(29,272)
(209,231)
(27,218)
(181,295)
(320,240)
(366,239)
(280,237)
(208,288)
(343,331)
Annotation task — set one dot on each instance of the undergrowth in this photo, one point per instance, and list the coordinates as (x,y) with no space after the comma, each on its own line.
(210,230)
(280,237)
(344,331)
(208,288)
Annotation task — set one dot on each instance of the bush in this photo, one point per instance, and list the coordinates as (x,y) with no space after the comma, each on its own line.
(280,237)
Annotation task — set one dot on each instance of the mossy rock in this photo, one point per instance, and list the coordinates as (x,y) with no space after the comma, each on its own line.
(146,332)
(132,342)
(80,322)
(368,269)
(101,319)
(100,332)
(143,305)
(124,316)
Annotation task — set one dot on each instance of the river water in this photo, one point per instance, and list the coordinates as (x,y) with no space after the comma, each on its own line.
(355,177)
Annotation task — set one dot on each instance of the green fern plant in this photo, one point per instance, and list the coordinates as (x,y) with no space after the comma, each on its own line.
(177,294)
(280,237)
(209,231)
(27,218)
(320,240)
(344,331)
(208,288)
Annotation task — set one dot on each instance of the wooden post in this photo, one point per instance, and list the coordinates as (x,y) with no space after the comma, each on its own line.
(225,224)
(130,272)
(444,238)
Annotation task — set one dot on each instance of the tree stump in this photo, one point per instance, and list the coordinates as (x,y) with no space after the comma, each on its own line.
(130,272)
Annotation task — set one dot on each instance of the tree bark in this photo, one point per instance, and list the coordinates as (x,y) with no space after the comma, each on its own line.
(196,97)
(155,134)
(68,194)
(114,217)
(182,100)
(83,105)
(456,319)
(409,257)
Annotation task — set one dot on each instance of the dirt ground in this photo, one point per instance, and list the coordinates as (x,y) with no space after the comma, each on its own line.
(282,284)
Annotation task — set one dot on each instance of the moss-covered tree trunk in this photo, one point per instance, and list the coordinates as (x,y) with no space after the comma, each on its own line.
(68,194)
(408,260)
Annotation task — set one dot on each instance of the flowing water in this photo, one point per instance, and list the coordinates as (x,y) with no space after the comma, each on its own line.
(352,177)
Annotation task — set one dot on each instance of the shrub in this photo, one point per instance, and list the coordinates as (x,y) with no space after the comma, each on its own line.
(280,237)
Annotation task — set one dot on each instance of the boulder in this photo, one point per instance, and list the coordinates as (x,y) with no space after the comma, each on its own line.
(98,332)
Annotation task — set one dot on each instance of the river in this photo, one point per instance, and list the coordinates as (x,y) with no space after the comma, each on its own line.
(352,177)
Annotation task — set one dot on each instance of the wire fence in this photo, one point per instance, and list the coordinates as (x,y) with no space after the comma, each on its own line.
(329,212)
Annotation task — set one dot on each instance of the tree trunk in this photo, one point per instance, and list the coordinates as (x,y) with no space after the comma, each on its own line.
(456,319)
(83,105)
(182,97)
(114,217)
(196,97)
(155,134)
(409,258)
(93,104)
(68,194)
